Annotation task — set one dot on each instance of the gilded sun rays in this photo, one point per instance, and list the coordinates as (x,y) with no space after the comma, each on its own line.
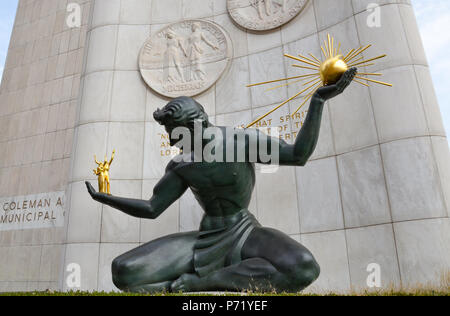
(324,72)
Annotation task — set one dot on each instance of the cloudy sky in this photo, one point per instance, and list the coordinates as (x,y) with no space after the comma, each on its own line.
(433,17)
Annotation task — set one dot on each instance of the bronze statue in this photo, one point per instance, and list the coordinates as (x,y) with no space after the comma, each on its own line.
(231,251)
(102,172)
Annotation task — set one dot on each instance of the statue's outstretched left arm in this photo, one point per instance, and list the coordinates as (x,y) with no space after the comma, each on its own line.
(305,143)
(169,189)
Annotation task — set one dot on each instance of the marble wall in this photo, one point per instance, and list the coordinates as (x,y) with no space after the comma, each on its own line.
(38,104)
(377,189)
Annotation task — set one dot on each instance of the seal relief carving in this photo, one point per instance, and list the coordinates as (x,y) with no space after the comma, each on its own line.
(262,15)
(185,58)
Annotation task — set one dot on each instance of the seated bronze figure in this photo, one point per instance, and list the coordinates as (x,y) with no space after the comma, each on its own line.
(231,251)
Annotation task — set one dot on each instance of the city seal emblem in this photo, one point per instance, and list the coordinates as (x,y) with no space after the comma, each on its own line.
(263,15)
(185,58)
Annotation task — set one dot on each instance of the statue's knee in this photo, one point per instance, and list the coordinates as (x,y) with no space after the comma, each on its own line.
(312,267)
(306,270)
(120,270)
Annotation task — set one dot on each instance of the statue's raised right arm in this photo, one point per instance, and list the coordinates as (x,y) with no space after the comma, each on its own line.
(299,153)
(171,187)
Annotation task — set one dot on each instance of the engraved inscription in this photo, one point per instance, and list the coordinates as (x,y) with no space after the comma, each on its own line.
(286,127)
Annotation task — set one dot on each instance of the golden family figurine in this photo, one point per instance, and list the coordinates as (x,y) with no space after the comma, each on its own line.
(102,172)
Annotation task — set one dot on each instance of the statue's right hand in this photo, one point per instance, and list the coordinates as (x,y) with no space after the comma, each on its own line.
(331,91)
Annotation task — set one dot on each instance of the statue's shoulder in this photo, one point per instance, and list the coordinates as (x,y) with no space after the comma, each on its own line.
(179,162)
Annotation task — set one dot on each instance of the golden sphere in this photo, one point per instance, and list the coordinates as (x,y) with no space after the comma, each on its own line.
(332,70)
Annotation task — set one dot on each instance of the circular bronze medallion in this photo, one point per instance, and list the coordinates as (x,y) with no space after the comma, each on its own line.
(185,58)
(263,15)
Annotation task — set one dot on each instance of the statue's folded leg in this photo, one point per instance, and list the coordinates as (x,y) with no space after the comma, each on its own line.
(153,266)
(271,261)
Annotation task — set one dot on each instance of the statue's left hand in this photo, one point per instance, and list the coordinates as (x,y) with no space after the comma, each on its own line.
(94,194)
(331,91)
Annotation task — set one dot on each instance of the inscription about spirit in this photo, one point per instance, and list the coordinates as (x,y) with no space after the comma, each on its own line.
(285,127)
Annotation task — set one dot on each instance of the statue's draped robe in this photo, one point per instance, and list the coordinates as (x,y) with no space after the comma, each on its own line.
(221,240)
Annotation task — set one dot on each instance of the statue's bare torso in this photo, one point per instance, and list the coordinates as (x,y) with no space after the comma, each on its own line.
(222,189)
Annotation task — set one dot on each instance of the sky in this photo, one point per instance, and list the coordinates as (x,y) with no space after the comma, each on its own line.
(433,17)
(7,14)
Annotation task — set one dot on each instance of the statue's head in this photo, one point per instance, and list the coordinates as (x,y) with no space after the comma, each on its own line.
(170,34)
(196,26)
(181,112)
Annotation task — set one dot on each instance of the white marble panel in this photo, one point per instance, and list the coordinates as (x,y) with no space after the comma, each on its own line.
(307,18)
(129,94)
(231,91)
(220,7)
(442,155)
(129,44)
(84,216)
(50,264)
(127,139)
(373,245)
(423,250)
(196,9)
(361,5)
(164,11)
(413,34)
(102,48)
(363,187)
(389,39)
(412,180)
(105,12)
(330,251)
(96,98)
(118,227)
(399,112)
(108,252)
(264,66)
(328,12)
(430,102)
(319,196)
(277,200)
(261,41)
(135,11)
(238,36)
(86,256)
